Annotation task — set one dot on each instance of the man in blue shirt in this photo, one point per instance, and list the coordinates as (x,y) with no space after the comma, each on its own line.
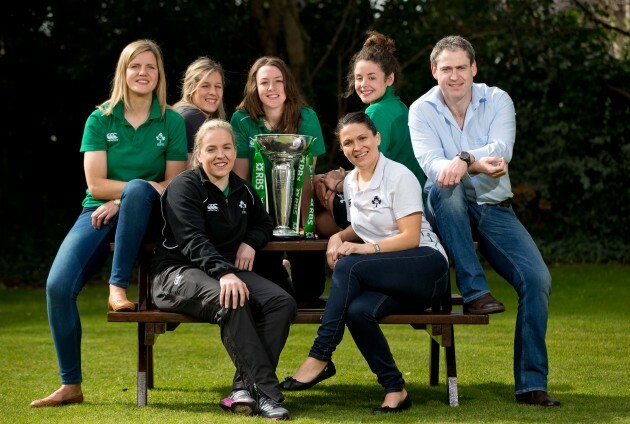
(463,136)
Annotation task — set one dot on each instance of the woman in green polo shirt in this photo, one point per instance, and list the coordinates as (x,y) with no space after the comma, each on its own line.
(133,147)
(273,104)
(373,75)
(202,97)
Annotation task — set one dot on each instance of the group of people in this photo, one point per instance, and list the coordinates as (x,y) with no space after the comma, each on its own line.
(426,182)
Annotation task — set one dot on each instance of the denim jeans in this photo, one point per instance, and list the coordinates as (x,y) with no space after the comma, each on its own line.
(511,251)
(364,288)
(80,255)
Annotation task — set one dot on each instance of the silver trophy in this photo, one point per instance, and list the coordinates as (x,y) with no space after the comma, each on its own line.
(283,150)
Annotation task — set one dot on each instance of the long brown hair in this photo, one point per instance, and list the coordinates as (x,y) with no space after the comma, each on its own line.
(251,103)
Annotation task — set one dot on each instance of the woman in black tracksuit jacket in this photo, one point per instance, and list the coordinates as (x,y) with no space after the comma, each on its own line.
(213,224)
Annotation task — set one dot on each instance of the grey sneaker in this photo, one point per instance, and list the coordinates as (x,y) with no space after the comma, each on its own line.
(269,408)
(239,402)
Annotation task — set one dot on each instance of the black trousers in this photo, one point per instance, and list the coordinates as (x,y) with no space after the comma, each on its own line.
(253,335)
(308,272)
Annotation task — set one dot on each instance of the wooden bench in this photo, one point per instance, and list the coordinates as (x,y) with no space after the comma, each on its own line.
(438,322)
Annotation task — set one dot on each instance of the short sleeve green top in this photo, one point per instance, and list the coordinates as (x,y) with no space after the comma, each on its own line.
(391,117)
(135,153)
(245,128)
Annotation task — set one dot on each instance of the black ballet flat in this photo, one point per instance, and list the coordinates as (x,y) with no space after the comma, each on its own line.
(402,406)
(291,384)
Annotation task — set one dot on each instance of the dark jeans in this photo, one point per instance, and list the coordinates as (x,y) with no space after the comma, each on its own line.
(308,272)
(365,288)
(253,335)
(80,255)
(511,251)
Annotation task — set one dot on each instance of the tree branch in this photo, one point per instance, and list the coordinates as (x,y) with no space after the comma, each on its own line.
(329,48)
(619,90)
(591,16)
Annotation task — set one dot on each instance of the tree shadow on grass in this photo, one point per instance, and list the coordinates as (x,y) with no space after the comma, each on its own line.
(477,403)
(213,394)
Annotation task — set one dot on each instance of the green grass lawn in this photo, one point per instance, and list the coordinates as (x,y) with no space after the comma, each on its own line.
(588,342)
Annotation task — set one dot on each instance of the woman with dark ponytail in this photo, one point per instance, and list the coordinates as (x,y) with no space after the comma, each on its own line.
(374,75)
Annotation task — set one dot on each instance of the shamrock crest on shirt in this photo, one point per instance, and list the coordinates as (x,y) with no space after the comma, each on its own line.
(160,140)
(376,201)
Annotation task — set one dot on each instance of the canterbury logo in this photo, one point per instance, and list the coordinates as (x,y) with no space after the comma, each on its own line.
(213,207)
(112,137)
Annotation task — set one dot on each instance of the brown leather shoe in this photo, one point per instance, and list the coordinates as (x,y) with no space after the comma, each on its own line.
(120,305)
(46,402)
(485,304)
(536,397)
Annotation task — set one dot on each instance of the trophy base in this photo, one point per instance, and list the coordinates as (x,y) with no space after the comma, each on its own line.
(284,232)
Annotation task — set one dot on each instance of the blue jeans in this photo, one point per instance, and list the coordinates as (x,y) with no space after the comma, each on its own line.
(82,252)
(511,251)
(364,288)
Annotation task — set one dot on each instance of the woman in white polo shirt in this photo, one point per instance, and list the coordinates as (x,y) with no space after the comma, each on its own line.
(388,260)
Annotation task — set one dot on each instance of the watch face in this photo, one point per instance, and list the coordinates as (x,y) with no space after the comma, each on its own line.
(465,156)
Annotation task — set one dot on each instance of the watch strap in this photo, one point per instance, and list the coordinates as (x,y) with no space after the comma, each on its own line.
(465,156)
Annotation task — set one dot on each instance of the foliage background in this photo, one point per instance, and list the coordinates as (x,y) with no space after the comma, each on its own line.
(565,63)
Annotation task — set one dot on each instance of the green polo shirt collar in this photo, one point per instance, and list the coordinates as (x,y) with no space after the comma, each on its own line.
(155,113)
(389,94)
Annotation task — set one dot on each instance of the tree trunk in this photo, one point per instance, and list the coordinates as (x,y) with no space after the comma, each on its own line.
(278,23)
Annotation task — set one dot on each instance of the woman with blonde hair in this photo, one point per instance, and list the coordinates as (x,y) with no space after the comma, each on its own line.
(133,147)
(213,225)
(202,96)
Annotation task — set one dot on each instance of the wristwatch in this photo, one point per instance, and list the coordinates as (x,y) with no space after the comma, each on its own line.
(117,202)
(377,248)
(465,156)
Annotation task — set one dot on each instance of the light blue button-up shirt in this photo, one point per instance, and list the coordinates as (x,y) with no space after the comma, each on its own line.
(489,130)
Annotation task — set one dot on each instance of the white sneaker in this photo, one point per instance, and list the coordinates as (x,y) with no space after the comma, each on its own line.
(239,402)
(269,408)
